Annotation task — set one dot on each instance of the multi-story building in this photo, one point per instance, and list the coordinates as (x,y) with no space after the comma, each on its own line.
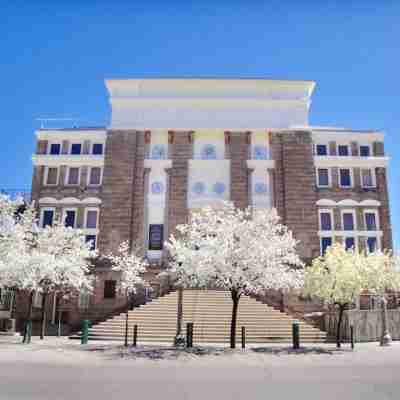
(174,145)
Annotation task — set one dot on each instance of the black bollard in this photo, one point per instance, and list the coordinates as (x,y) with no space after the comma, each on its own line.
(189,334)
(296,334)
(243,337)
(352,336)
(134,335)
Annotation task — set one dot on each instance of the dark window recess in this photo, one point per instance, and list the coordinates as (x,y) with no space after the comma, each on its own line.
(322,150)
(365,151)
(110,289)
(70,219)
(349,242)
(348,222)
(325,243)
(76,148)
(343,150)
(326,223)
(48,218)
(345,178)
(371,243)
(323,177)
(92,240)
(370,221)
(98,148)
(55,149)
(156,236)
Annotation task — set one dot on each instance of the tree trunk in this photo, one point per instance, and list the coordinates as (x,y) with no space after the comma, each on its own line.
(235,300)
(29,316)
(179,338)
(339,324)
(43,319)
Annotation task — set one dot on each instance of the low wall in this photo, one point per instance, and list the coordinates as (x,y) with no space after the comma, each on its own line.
(367,324)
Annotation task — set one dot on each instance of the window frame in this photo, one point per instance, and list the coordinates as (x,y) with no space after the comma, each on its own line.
(377,222)
(373,177)
(89,175)
(329,177)
(42,211)
(46,176)
(326,211)
(64,215)
(87,209)
(348,211)
(92,148)
(67,174)
(351,177)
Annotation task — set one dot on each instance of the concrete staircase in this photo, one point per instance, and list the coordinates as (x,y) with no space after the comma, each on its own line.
(210,311)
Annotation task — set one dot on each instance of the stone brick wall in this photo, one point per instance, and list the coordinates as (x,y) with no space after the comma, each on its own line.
(295,196)
(239,143)
(384,210)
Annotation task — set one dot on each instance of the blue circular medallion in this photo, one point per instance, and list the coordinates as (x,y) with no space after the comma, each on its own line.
(157,187)
(219,188)
(260,188)
(158,152)
(208,152)
(260,153)
(199,188)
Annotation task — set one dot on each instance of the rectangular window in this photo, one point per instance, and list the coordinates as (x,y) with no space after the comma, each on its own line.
(326,221)
(70,218)
(52,176)
(348,221)
(95,176)
(325,243)
(322,150)
(371,244)
(98,148)
(367,178)
(365,151)
(349,243)
(92,240)
(370,221)
(76,148)
(91,219)
(47,218)
(55,149)
(343,150)
(110,289)
(156,236)
(323,177)
(73,176)
(345,177)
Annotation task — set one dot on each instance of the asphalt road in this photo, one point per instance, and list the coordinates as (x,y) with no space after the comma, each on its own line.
(56,373)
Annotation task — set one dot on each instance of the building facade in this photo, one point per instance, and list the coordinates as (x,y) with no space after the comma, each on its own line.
(174,145)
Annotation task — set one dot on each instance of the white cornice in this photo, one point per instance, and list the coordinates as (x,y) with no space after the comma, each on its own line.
(345,136)
(70,160)
(70,201)
(261,164)
(71,134)
(350,233)
(157,164)
(348,203)
(350,161)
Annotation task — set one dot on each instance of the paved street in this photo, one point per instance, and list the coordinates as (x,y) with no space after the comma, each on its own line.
(60,370)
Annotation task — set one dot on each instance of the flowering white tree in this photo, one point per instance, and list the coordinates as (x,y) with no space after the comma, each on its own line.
(243,251)
(45,260)
(132,265)
(380,274)
(337,278)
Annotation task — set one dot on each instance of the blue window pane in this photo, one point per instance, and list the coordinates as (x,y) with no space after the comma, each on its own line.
(322,150)
(92,240)
(55,149)
(325,243)
(326,223)
(98,148)
(371,244)
(345,178)
(323,177)
(48,218)
(348,222)
(70,219)
(343,150)
(370,221)
(349,243)
(364,151)
(76,148)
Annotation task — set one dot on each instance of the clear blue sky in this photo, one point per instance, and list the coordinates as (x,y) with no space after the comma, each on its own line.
(56,54)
